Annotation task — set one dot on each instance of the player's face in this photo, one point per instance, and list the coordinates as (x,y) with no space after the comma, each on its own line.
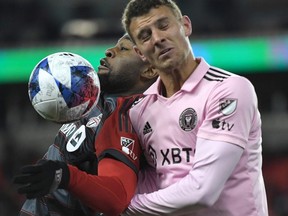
(119,70)
(162,37)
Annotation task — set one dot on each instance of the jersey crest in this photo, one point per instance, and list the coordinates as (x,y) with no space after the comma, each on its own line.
(188,119)
(76,140)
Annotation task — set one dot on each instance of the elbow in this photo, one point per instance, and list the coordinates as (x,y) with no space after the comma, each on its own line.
(206,203)
(114,209)
(208,193)
(208,199)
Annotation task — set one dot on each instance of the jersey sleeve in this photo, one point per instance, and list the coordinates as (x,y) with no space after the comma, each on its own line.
(231,113)
(200,188)
(117,138)
(118,150)
(110,192)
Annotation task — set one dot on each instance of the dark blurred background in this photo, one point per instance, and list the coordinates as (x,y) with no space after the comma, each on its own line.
(28,27)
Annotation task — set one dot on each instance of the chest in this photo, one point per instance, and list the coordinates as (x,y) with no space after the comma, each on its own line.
(169,129)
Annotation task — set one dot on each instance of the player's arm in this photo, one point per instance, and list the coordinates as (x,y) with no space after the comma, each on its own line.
(214,163)
(217,154)
(110,192)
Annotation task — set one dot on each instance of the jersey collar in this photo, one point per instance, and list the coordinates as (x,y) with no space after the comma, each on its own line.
(189,84)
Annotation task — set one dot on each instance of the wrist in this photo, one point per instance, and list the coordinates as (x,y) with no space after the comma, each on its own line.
(62,175)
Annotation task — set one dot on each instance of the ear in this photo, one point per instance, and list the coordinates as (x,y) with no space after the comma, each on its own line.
(139,53)
(187,25)
(149,73)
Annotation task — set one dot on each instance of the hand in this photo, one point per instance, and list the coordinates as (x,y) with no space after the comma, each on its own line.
(42,178)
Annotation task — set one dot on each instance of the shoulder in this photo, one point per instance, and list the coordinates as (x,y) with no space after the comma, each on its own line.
(234,88)
(227,80)
(89,124)
(126,103)
(238,85)
(140,104)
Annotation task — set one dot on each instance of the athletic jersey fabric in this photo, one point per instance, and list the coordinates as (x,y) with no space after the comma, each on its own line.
(212,105)
(114,139)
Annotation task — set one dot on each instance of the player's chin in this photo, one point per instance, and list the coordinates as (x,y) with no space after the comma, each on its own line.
(104,81)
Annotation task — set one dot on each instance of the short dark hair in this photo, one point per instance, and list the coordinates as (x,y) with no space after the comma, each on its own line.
(136,8)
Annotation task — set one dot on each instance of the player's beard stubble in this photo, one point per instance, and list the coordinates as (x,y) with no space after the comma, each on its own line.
(115,84)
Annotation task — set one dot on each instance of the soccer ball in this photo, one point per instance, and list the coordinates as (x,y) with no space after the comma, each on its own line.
(63,87)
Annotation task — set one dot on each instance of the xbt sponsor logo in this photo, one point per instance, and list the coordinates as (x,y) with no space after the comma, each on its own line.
(171,155)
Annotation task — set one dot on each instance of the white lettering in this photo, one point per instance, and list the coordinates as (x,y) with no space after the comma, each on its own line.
(68,129)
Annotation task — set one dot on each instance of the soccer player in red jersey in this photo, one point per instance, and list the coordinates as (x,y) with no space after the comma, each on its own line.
(101,174)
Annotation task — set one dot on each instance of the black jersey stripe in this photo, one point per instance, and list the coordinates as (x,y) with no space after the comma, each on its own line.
(123,117)
(113,153)
(219,71)
(217,75)
(213,79)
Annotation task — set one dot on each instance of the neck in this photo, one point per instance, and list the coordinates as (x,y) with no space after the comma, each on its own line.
(137,89)
(173,79)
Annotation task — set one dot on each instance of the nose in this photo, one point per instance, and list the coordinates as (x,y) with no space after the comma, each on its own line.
(110,53)
(157,37)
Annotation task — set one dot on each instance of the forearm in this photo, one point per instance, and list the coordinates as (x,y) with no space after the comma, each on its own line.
(109,193)
(199,189)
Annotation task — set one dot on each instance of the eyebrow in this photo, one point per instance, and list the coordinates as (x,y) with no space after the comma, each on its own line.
(157,22)
(126,36)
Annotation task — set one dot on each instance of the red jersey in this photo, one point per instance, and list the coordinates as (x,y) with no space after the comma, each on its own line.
(118,150)
(117,138)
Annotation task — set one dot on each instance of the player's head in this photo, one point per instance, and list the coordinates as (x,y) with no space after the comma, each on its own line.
(123,72)
(137,8)
(159,31)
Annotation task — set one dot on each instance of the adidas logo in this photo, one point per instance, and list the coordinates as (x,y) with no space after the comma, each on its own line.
(147,128)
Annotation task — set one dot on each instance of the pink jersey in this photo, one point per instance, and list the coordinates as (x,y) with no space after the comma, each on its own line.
(213,105)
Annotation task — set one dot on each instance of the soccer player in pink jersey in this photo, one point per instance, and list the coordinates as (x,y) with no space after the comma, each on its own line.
(199,125)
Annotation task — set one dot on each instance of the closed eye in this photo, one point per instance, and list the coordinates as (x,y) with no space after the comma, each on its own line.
(163,24)
(122,48)
(144,35)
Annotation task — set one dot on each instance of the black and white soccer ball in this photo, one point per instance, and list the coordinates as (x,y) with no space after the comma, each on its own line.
(63,87)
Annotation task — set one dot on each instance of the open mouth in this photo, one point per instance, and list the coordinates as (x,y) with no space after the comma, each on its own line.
(164,52)
(103,65)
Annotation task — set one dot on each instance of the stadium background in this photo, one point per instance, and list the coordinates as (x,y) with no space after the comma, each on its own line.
(249,37)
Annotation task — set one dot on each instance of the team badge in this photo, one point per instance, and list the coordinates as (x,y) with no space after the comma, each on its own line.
(94,121)
(76,140)
(227,106)
(188,119)
(128,147)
